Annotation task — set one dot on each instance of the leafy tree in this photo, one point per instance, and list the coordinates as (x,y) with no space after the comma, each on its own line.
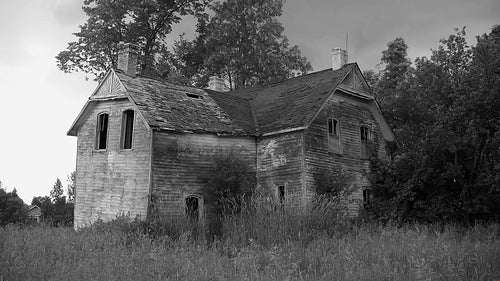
(71,187)
(57,190)
(12,209)
(449,170)
(228,180)
(242,42)
(142,22)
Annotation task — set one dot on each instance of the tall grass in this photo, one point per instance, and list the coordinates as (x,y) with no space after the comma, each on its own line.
(261,241)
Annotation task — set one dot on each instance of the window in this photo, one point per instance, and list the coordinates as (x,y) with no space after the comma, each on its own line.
(367,195)
(367,146)
(281,194)
(193,208)
(127,129)
(365,133)
(334,135)
(102,131)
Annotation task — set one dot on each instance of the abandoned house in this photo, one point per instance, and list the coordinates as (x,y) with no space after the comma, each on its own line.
(138,136)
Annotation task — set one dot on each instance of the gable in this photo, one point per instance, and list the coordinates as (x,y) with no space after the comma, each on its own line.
(355,81)
(110,87)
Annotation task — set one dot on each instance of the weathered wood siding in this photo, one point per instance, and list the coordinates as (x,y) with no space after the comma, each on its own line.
(112,181)
(352,113)
(180,162)
(279,163)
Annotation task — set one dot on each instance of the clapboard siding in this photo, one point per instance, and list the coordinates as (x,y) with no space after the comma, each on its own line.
(352,113)
(279,163)
(180,162)
(112,181)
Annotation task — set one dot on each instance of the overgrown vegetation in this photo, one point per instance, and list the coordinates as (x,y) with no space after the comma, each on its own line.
(259,243)
(445,112)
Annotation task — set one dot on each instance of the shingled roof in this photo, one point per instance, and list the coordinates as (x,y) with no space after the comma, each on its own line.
(282,106)
(294,102)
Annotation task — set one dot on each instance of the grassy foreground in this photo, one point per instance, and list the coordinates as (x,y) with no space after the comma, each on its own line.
(116,252)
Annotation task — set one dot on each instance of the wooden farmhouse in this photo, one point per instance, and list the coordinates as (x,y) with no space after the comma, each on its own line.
(34,213)
(139,136)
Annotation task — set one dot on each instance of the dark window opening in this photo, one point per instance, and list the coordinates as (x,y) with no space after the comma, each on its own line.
(281,194)
(365,133)
(102,131)
(127,129)
(193,208)
(333,126)
(193,96)
(367,194)
(334,135)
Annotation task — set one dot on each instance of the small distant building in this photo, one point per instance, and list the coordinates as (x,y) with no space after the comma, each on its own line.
(34,213)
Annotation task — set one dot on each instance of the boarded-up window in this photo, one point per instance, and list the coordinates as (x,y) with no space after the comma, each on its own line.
(367,145)
(102,131)
(334,135)
(127,129)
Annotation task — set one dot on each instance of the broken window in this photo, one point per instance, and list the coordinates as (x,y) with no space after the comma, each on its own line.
(281,194)
(367,146)
(364,131)
(193,208)
(127,129)
(102,131)
(334,135)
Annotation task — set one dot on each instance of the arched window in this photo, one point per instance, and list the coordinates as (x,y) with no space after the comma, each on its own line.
(127,129)
(194,208)
(102,131)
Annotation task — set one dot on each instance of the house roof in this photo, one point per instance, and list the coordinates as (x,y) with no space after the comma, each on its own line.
(283,106)
(292,103)
(173,107)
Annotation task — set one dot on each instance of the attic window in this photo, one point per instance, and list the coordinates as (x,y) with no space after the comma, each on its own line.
(127,129)
(193,96)
(334,144)
(101,131)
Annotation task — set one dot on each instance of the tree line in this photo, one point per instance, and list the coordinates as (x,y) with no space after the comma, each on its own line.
(56,208)
(445,113)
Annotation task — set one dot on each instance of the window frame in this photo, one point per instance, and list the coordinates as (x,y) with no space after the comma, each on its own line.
(200,207)
(98,134)
(124,127)
(333,131)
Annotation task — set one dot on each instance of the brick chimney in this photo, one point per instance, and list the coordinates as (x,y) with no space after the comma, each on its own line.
(216,83)
(339,58)
(127,58)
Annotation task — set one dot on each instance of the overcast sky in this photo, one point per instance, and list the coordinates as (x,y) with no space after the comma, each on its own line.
(38,103)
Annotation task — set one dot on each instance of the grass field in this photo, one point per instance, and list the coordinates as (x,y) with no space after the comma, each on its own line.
(258,247)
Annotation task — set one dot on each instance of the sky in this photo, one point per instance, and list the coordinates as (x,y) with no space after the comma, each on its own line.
(38,102)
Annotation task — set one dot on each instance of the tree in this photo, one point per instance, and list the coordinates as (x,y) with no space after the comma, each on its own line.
(142,22)
(242,42)
(57,190)
(12,209)
(449,170)
(71,187)
(228,180)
